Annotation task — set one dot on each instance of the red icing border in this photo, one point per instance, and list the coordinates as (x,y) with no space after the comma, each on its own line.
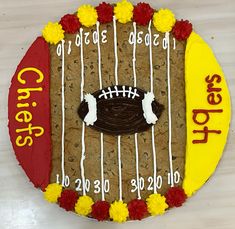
(34,159)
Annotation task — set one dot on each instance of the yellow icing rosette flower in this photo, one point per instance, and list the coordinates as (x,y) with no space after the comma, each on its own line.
(52,192)
(118,211)
(123,11)
(156,204)
(87,15)
(53,32)
(164,20)
(84,205)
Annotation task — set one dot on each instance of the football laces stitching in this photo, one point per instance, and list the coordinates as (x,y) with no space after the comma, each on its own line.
(129,92)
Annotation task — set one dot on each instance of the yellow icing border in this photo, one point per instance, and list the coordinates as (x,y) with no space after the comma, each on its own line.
(202,158)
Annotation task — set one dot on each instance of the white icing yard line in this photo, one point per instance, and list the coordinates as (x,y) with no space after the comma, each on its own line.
(83,157)
(150,56)
(82,64)
(119,168)
(99,53)
(154,162)
(151,88)
(134,54)
(137,165)
(136,135)
(115,49)
(101,135)
(169,107)
(102,164)
(116,82)
(63,116)
(83,124)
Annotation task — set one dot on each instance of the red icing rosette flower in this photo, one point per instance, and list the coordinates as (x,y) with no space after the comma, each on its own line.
(175,197)
(68,199)
(137,209)
(70,23)
(142,13)
(105,12)
(182,30)
(100,210)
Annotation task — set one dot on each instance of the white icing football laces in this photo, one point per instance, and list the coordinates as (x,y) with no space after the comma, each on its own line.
(129,92)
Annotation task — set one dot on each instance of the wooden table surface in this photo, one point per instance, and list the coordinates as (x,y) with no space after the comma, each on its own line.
(22,206)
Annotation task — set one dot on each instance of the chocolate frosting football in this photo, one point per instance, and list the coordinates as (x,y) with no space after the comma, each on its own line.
(120,113)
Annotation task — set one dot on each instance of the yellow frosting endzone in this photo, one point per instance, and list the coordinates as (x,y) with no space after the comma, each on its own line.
(208,113)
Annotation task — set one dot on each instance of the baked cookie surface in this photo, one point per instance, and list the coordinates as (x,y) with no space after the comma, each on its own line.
(120,114)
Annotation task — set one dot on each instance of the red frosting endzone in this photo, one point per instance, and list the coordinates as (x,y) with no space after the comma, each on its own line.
(29,113)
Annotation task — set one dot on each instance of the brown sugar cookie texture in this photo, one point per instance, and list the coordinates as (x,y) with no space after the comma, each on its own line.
(115,113)
(73,124)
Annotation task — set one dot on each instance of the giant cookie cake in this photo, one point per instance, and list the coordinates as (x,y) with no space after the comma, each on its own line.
(119,112)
